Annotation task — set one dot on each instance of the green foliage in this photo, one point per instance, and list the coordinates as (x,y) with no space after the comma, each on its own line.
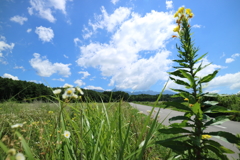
(198,143)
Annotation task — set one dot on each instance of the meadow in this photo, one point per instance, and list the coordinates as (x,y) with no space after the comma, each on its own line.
(90,131)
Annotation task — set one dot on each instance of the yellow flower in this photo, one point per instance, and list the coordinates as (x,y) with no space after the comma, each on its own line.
(50,112)
(176,15)
(180,10)
(206,136)
(67,134)
(186,99)
(191,15)
(188,11)
(176,29)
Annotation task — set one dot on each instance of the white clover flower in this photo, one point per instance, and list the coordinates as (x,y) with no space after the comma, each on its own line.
(141,112)
(79,90)
(67,85)
(148,111)
(17,125)
(20,156)
(67,134)
(57,91)
(68,93)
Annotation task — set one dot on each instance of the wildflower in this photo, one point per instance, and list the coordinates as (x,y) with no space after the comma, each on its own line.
(17,125)
(186,99)
(148,111)
(12,151)
(20,156)
(75,96)
(176,29)
(50,112)
(67,86)
(67,134)
(57,91)
(79,90)
(68,93)
(180,10)
(141,112)
(191,15)
(188,11)
(176,15)
(206,136)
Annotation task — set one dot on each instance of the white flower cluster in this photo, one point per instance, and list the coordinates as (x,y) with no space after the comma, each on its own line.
(70,92)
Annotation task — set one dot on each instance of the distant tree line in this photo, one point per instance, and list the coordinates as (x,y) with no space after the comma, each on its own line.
(23,91)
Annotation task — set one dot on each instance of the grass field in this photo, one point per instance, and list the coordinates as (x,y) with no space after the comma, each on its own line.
(79,131)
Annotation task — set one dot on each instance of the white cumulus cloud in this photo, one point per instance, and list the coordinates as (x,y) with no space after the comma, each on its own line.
(59,79)
(45,34)
(93,88)
(79,82)
(76,41)
(233,57)
(19,19)
(122,57)
(29,30)
(196,26)
(230,80)
(85,74)
(114,1)
(4,47)
(110,21)
(45,68)
(6,75)
(169,4)
(46,8)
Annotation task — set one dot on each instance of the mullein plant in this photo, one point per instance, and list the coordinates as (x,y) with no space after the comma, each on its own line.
(198,142)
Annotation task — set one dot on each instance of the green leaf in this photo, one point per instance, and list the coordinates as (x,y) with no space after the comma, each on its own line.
(219,146)
(179,118)
(216,121)
(189,77)
(200,58)
(180,82)
(182,93)
(184,65)
(178,106)
(176,146)
(216,151)
(219,109)
(176,73)
(196,108)
(228,136)
(208,78)
(181,125)
(210,95)
(25,146)
(174,130)
(212,103)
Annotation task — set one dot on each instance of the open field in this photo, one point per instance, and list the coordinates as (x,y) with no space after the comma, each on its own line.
(97,131)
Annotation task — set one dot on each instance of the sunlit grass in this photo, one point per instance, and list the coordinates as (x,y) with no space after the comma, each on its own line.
(97,131)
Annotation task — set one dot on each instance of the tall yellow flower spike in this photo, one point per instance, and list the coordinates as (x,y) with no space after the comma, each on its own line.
(180,10)
(188,11)
(176,29)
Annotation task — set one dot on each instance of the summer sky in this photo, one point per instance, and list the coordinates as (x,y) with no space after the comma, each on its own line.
(107,44)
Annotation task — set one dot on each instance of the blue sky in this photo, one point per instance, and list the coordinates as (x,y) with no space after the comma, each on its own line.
(107,44)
